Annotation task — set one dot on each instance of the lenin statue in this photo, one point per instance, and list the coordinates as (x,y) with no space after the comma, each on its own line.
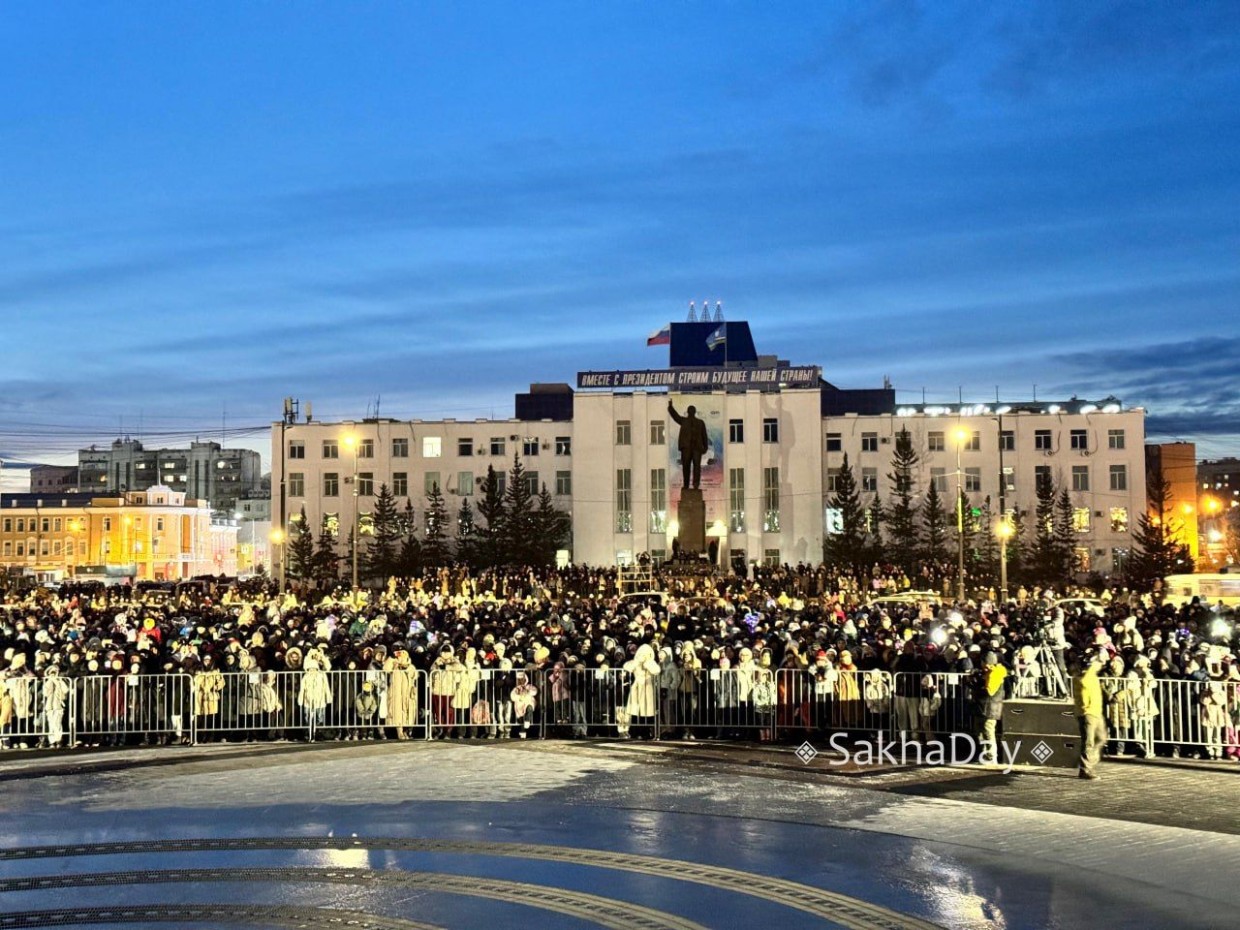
(693,444)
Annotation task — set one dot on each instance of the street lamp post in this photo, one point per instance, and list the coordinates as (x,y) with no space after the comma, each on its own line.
(961,437)
(1004,532)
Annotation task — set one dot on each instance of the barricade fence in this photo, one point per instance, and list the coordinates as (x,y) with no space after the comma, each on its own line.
(1143,714)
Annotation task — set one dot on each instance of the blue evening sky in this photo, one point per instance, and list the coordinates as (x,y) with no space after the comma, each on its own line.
(208,206)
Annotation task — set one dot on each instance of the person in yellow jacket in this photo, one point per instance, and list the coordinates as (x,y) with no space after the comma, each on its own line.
(989,706)
(1088,697)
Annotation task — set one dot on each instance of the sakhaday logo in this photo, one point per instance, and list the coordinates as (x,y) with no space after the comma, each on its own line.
(806,753)
(1041,752)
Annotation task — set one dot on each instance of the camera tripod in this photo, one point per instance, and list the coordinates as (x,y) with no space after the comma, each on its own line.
(1050,678)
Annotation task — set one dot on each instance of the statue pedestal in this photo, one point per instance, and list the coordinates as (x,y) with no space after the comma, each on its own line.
(691,517)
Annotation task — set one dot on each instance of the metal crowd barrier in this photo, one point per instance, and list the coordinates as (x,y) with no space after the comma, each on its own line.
(129,709)
(472,702)
(309,704)
(927,705)
(821,702)
(1174,715)
(33,711)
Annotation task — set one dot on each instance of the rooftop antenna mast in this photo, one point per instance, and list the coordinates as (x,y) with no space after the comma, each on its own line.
(692,314)
(718,311)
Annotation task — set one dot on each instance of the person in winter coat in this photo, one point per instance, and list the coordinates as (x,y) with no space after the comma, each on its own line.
(208,686)
(1214,717)
(988,706)
(445,676)
(726,700)
(314,694)
(643,702)
(848,707)
(402,694)
(56,690)
(524,702)
(669,691)
(366,707)
(464,695)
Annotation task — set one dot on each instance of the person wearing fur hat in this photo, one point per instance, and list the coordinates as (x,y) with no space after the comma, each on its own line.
(208,686)
(444,677)
(642,703)
(314,693)
(465,691)
(524,703)
(365,707)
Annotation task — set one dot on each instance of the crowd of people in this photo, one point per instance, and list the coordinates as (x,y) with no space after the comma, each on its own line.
(575,652)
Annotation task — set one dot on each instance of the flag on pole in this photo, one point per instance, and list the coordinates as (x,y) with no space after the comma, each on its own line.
(718,337)
(661,336)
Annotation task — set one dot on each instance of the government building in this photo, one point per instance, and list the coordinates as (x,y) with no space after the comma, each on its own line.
(778,434)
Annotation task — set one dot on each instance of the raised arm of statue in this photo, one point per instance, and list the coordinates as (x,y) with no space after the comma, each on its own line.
(672,410)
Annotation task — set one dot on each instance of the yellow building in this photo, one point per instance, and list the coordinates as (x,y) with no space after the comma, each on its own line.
(150,535)
(1178,462)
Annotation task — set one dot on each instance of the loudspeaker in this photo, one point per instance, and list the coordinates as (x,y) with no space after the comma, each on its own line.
(1058,752)
(1039,718)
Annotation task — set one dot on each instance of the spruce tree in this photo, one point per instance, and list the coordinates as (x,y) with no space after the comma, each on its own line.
(518,527)
(1017,547)
(845,549)
(381,554)
(466,535)
(300,547)
(550,529)
(1157,551)
(1065,540)
(875,520)
(409,560)
(987,551)
(934,529)
(1044,553)
(326,559)
(903,536)
(434,539)
(491,510)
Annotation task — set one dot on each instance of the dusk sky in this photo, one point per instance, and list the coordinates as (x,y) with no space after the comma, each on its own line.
(206,207)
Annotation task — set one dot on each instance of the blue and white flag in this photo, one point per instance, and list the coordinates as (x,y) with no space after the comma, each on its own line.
(718,337)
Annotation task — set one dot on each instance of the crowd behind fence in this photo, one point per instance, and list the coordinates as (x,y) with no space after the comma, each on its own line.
(1145,716)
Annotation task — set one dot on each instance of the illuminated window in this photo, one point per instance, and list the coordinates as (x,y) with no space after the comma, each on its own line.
(1081,558)
(1119,519)
(432,447)
(1080,520)
(624,500)
(736,499)
(658,500)
(770,500)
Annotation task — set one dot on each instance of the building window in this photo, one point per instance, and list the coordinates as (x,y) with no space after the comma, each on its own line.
(1119,558)
(331,524)
(296,450)
(869,442)
(935,441)
(736,431)
(1079,439)
(529,446)
(736,499)
(432,447)
(1081,558)
(658,557)
(835,442)
(1080,477)
(331,449)
(1080,520)
(833,477)
(563,445)
(1119,519)
(400,448)
(8,524)
(658,433)
(532,485)
(297,484)
(1119,477)
(21,548)
(107,524)
(1007,440)
(366,449)
(1115,439)
(465,483)
(938,477)
(770,558)
(770,429)
(869,479)
(56,525)
(972,479)
(658,500)
(1042,440)
(497,445)
(974,443)
(430,482)
(159,524)
(624,500)
(624,432)
(400,483)
(8,547)
(1041,476)
(465,446)
(366,483)
(564,483)
(331,484)
(770,500)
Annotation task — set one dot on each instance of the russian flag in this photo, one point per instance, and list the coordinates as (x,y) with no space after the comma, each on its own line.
(661,336)
(718,337)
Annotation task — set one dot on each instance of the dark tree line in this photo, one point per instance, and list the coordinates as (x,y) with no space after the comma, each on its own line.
(512,525)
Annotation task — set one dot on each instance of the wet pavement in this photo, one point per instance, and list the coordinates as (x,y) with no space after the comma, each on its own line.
(560,835)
